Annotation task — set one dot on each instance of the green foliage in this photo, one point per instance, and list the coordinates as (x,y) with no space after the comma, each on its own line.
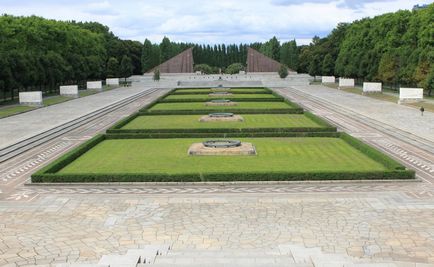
(271,49)
(289,55)
(156,76)
(234,68)
(388,68)
(328,65)
(283,71)
(204,68)
(126,69)
(84,165)
(112,67)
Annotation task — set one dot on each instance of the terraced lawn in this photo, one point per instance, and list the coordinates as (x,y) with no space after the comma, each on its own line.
(169,156)
(203,106)
(12,110)
(232,90)
(250,121)
(205,96)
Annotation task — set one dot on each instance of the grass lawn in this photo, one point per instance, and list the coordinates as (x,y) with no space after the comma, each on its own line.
(56,100)
(232,90)
(9,111)
(250,121)
(83,93)
(201,105)
(169,156)
(205,96)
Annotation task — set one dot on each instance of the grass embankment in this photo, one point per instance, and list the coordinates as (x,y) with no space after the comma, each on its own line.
(232,90)
(207,96)
(203,106)
(169,156)
(250,121)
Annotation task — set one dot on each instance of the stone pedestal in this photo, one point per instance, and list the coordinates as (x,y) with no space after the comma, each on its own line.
(69,90)
(31,98)
(221,94)
(208,118)
(230,103)
(198,149)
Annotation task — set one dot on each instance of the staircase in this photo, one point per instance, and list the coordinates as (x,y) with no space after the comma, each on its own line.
(282,256)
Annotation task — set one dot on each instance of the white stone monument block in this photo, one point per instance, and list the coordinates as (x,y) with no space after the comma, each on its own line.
(408,95)
(94,85)
(344,82)
(112,81)
(242,72)
(69,90)
(372,87)
(328,79)
(31,98)
(198,72)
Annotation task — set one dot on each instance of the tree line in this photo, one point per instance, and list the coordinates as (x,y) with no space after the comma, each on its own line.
(37,53)
(395,48)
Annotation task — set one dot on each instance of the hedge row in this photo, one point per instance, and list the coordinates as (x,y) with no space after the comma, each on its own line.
(372,152)
(225,130)
(69,157)
(207,111)
(124,121)
(235,99)
(219,177)
(232,91)
(219,135)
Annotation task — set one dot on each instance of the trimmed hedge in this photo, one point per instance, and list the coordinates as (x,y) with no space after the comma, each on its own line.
(372,152)
(207,111)
(218,135)
(205,93)
(225,130)
(67,158)
(219,177)
(228,97)
(48,173)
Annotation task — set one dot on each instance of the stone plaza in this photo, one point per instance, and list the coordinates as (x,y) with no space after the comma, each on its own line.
(207,224)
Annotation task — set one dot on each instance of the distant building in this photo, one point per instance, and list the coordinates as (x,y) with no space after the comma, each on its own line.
(419,7)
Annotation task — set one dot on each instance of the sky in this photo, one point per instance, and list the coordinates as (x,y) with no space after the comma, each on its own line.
(211,22)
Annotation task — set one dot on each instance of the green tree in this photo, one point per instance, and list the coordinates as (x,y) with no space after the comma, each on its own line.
(165,48)
(388,68)
(126,69)
(156,76)
(234,68)
(112,67)
(147,56)
(283,71)
(328,65)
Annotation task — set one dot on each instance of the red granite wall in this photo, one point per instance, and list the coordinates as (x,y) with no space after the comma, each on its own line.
(182,63)
(257,62)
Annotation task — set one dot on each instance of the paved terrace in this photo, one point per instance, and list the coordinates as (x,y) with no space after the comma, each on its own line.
(406,118)
(22,126)
(369,222)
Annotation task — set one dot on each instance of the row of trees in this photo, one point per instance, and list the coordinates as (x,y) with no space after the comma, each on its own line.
(396,49)
(40,53)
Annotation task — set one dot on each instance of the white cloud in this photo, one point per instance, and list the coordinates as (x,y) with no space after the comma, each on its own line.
(207,21)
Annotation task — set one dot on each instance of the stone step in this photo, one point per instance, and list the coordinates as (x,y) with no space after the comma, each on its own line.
(225,260)
(238,264)
(120,260)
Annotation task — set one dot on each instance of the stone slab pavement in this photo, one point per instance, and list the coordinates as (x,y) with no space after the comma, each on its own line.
(402,117)
(22,126)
